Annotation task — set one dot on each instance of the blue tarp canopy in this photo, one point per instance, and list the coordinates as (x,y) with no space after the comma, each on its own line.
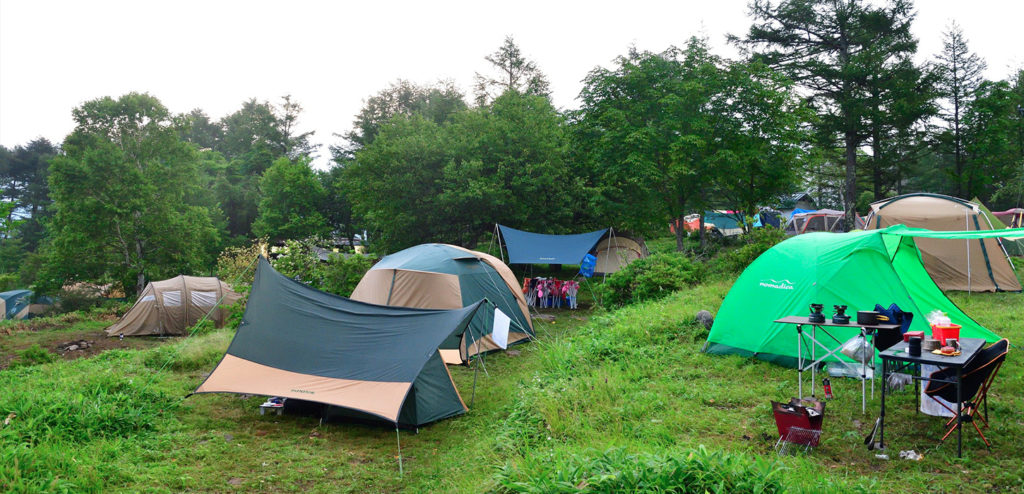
(538,248)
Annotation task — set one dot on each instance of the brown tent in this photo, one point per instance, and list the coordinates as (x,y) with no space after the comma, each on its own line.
(615,251)
(170,307)
(977,265)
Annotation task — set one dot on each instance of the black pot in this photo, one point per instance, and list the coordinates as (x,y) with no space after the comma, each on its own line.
(870,318)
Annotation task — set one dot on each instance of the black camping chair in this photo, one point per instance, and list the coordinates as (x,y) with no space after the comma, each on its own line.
(976,379)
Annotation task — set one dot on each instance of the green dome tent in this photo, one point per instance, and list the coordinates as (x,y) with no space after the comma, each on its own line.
(857,269)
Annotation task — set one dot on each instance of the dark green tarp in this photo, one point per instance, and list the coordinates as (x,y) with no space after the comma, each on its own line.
(298,342)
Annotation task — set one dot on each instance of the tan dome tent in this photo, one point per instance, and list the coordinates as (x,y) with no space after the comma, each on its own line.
(615,251)
(976,265)
(170,307)
(441,276)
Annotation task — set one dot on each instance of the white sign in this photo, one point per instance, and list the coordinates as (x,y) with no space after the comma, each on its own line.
(500,331)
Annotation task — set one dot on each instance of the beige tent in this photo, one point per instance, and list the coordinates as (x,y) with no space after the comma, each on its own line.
(977,265)
(615,251)
(440,276)
(170,307)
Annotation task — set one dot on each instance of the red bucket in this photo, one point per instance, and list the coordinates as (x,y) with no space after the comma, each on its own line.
(941,333)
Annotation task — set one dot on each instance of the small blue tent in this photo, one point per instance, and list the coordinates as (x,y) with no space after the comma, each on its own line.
(14,304)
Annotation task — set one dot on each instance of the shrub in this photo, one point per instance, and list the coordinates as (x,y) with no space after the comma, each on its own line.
(617,471)
(8,281)
(340,275)
(77,300)
(235,264)
(650,279)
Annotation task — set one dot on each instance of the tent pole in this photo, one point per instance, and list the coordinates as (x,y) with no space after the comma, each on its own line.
(496,235)
(967,226)
(476,372)
(398,437)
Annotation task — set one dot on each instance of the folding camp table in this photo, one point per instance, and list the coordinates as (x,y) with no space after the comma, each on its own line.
(814,360)
(897,359)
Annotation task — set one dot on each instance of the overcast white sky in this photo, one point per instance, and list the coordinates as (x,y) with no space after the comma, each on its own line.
(331,55)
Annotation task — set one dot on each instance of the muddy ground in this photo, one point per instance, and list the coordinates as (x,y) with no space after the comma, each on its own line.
(62,339)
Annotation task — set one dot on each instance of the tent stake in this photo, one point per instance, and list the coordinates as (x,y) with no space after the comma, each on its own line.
(398,437)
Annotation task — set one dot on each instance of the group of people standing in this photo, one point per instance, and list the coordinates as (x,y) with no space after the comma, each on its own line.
(550,292)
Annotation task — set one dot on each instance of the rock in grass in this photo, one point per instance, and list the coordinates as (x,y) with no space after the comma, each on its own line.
(704,317)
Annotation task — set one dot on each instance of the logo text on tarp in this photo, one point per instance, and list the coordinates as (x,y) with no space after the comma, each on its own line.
(303,391)
(777,284)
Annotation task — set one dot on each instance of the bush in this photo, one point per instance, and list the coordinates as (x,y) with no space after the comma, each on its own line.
(235,264)
(650,279)
(8,281)
(338,274)
(617,471)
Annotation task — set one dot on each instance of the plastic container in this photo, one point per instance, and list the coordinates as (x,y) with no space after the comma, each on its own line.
(941,333)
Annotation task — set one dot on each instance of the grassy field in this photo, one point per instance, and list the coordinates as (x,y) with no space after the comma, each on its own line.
(606,401)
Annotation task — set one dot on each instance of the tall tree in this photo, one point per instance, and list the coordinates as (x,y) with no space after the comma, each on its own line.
(23,175)
(296,144)
(833,48)
(291,200)
(119,191)
(436,102)
(960,75)
(994,142)
(511,71)
(667,131)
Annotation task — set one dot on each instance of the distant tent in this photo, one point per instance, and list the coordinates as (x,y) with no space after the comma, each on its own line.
(768,217)
(1014,217)
(822,220)
(441,276)
(170,307)
(1014,245)
(615,251)
(368,362)
(978,265)
(15,304)
(857,269)
(539,248)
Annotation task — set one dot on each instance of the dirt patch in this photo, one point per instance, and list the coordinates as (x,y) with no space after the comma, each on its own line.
(77,344)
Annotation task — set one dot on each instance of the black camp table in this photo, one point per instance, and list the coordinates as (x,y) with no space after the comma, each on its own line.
(896,359)
(865,331)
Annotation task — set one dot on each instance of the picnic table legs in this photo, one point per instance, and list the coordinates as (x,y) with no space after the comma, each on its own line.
(959,415)
(881,416)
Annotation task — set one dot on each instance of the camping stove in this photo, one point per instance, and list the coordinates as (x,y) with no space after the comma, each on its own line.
(840,316)
(816,315)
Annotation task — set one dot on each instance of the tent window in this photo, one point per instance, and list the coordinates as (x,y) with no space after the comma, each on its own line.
(147,298)
(172,299)
(204,299)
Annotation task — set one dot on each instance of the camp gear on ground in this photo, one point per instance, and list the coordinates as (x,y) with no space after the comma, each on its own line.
(856,269)
(977,265)
(896,359)
(441,276)
(827,386)
(975,380)
(171,307)
(367,362)
(805,416)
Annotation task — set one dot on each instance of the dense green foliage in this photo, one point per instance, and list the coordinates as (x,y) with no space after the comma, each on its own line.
(338,274)
(651,278)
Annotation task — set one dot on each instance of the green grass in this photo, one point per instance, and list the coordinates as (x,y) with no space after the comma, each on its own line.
(607,401)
